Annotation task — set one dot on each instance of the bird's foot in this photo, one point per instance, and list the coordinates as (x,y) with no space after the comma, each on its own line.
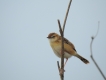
(61,71)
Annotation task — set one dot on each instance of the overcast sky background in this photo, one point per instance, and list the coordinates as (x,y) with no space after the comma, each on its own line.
(25,53)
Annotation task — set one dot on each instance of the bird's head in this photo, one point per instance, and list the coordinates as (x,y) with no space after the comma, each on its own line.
(53,37)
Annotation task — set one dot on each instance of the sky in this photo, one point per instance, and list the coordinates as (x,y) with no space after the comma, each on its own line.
(25,52)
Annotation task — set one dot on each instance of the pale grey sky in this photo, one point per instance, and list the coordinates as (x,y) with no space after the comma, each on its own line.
(25,53)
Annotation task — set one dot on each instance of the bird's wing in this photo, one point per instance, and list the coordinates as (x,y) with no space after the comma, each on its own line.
(68,46)
(69,43)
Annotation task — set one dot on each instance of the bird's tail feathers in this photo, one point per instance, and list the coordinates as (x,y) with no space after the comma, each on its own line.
(82,59)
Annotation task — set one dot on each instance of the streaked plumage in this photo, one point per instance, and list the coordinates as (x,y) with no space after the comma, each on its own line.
(69,49)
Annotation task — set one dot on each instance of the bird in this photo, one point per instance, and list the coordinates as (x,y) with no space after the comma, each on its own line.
(69,49)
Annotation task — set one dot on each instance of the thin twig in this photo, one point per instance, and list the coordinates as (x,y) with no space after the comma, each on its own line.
(66,15)
(62,57)
(62,52)
(60,29)
(58,65)
(97,29)
(62,35)
(93,37)
(92,53)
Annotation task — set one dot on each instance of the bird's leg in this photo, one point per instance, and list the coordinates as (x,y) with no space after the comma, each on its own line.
(65,62)
(61,71)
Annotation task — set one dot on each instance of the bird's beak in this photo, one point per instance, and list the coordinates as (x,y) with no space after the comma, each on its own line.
(48,37)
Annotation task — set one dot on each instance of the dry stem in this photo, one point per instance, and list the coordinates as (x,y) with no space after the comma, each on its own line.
(62,48)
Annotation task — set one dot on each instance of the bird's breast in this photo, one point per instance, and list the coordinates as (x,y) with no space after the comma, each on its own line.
(57,50)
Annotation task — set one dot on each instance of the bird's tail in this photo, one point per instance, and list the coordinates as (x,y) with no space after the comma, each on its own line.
(82,59)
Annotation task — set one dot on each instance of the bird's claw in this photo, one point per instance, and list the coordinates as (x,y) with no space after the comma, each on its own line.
(61,71)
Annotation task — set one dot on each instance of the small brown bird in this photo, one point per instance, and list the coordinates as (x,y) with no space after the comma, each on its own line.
(69,49)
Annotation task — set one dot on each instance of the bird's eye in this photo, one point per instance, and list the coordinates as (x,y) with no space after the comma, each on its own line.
(53,36)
